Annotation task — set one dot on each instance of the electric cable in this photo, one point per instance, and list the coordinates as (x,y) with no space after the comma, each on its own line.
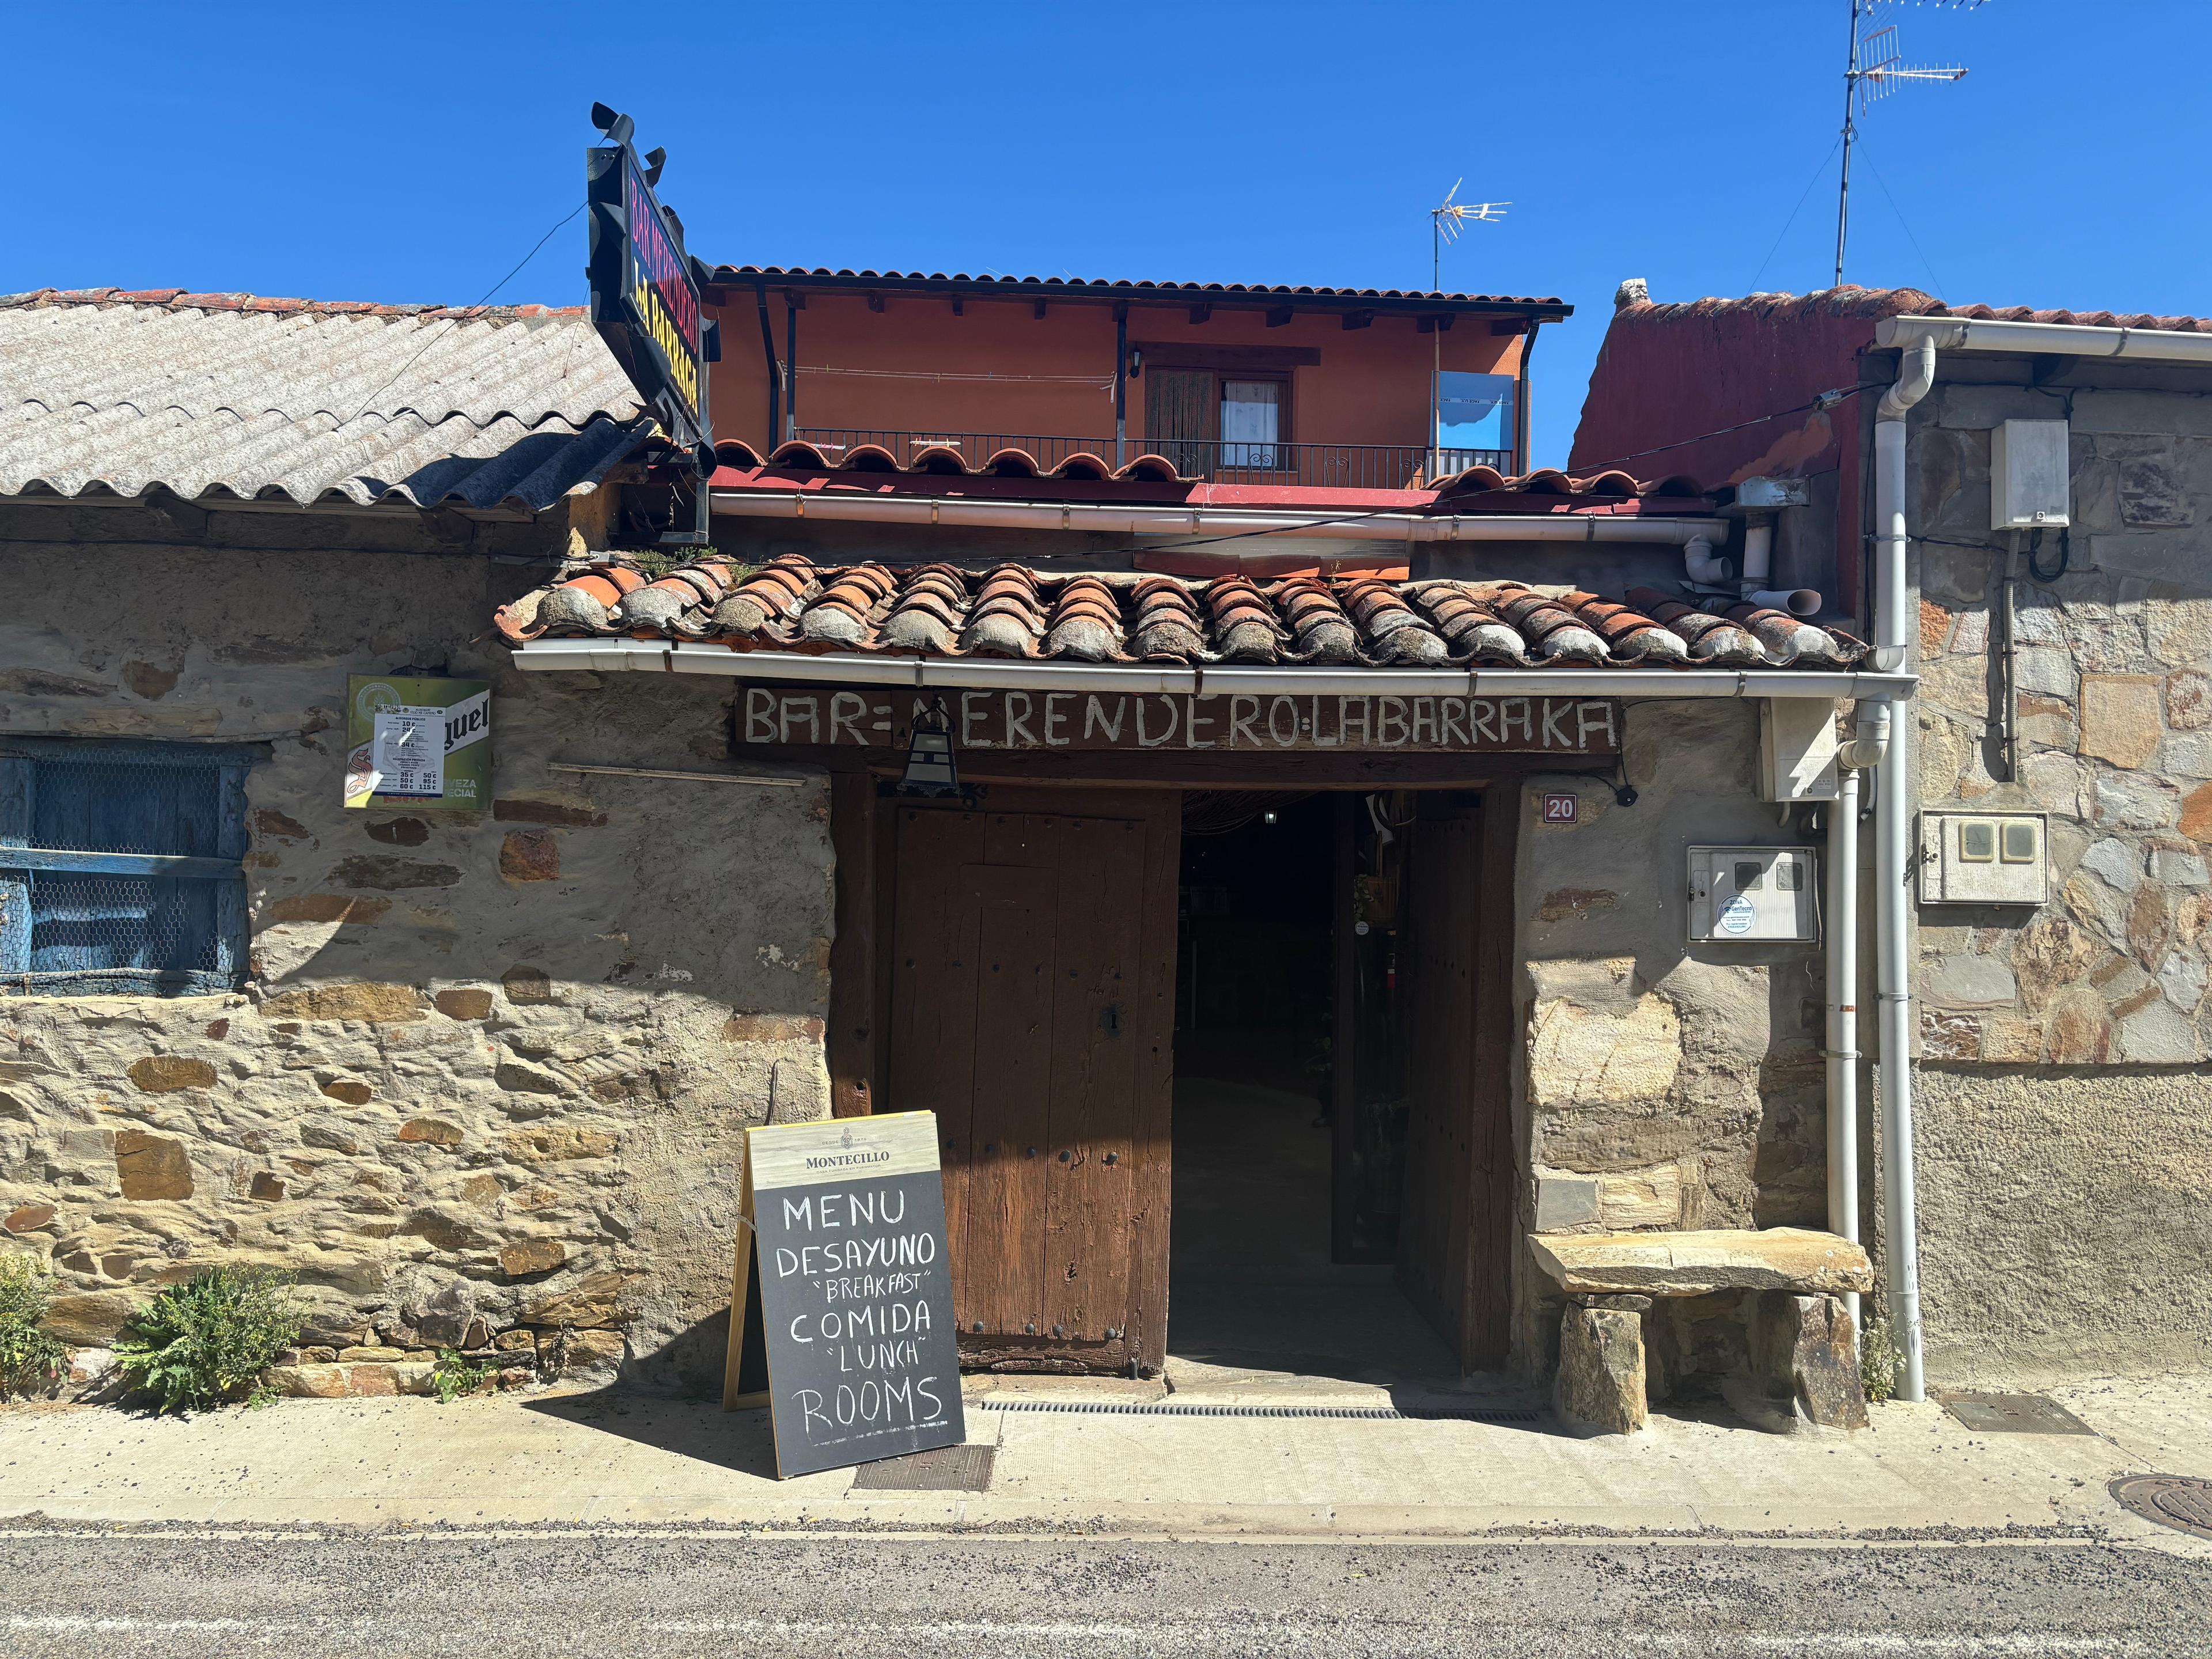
(438,335)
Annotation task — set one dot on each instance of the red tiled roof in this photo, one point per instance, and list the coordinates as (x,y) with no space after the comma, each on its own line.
(1880,302)
(800,464)
(1028,288)
(1013,611)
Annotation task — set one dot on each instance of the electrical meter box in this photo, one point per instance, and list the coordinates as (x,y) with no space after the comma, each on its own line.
(1984,858)
(2028,476)
(1755,895)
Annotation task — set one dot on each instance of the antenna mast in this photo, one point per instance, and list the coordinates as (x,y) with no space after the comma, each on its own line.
(1870,71)
(1445,222)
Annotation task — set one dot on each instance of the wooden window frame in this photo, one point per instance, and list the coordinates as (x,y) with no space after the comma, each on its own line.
(20,864)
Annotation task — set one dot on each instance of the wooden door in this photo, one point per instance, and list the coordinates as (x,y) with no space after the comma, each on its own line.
(1025,1012)
(1179,415)
(1456,1234)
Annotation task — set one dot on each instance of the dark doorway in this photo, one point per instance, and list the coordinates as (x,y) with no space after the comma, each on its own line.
(1294,1009)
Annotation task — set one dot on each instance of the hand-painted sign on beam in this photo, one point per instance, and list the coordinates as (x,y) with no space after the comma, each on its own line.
(840,717)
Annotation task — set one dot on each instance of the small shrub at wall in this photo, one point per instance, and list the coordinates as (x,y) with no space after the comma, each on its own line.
(1879,1363)
(208,1340)
(30,1360)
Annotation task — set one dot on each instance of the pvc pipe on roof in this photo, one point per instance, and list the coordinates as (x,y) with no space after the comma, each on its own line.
(1114,519)
(2167,345)
(854,668)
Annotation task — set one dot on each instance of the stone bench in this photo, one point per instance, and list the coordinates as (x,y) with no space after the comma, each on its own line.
(1803,1353)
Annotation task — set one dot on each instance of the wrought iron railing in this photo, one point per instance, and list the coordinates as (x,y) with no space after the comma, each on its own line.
(1338,466)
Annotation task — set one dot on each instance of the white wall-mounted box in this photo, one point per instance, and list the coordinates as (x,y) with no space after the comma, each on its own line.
(1755,895)
(1984,858)
(2029,475)
(1797,746)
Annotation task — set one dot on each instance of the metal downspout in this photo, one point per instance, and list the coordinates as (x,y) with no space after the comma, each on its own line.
(774,368)
(790,368)
(1894,627)
(1120,385)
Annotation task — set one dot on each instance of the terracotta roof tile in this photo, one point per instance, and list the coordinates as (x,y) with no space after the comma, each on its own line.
(1011,611)
(1880,302)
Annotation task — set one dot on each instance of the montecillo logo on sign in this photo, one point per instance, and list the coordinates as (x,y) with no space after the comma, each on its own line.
(847,1158)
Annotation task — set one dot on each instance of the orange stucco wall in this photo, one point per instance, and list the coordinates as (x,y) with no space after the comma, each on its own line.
(1371,385)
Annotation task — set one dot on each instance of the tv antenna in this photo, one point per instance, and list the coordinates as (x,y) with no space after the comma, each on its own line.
(1446,221)
(1873,72)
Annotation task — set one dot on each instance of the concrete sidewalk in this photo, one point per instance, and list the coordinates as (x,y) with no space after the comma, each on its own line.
(604,1461)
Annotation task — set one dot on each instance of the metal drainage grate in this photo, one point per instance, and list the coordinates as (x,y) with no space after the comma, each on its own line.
(2013,1414)
(1168,1408)
(948,1468)
(2180,1501)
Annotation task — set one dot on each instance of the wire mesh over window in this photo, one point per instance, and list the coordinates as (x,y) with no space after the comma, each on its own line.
(91,805)
(119,869)
(121,925)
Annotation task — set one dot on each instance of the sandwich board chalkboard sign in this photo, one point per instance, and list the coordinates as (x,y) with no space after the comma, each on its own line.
(840,1317)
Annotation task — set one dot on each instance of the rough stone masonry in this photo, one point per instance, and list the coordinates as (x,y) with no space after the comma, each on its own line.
(487,1085)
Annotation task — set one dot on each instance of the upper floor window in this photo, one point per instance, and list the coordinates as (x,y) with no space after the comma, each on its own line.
(1251,423)
(119,867)
(1474,412)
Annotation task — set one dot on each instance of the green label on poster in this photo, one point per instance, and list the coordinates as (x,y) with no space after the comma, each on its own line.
(418,743)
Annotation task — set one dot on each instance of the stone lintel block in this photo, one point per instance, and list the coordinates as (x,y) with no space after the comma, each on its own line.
(1702,1262)
(1600,1386)
(1619,1302)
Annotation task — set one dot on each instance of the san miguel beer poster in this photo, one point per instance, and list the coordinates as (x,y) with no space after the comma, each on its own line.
(418,743)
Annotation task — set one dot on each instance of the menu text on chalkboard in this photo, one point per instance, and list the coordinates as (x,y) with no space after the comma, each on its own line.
(845,1250)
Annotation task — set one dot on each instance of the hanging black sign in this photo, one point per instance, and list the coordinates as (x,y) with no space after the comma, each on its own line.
(646,300)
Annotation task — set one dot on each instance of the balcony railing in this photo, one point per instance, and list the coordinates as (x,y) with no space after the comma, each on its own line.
(1338,466)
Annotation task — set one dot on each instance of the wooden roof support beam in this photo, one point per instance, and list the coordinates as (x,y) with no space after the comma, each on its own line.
(1199,313)
(1037,309)
(1440,324)
(875,303)
(1279,316)
(1358,318)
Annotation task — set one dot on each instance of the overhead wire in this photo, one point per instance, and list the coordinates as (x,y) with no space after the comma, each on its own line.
(437,335)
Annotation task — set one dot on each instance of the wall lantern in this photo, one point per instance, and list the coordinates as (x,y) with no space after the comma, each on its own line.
(930,768)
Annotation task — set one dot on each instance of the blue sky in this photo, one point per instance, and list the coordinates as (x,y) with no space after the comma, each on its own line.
(416,152)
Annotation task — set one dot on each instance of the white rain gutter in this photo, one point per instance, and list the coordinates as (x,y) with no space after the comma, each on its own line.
(987,674)
(2142,345)
(1115,519)
(1893,630)
(1842,1055)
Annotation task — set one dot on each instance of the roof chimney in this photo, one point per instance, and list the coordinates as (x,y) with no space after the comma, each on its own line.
(1632,292)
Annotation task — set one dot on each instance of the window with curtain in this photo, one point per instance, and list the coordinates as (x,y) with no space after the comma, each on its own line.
(119,867)
(1475,416)
(1251,424)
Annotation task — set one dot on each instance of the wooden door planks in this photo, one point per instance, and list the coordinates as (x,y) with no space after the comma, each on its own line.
(1090,1188)
(931,1064)
(1013,892)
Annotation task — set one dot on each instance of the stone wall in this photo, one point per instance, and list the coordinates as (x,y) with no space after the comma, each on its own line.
(1661,1084)
(491,1070)
(2062,1046)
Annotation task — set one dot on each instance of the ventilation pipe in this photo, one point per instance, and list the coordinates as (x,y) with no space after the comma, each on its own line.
(1893,630)
(1704,565)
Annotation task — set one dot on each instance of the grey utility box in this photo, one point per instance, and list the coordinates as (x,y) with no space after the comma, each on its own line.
(2028,476)
(1755,895)
(1984,858)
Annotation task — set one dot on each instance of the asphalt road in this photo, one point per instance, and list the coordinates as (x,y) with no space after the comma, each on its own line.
(89,1591)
